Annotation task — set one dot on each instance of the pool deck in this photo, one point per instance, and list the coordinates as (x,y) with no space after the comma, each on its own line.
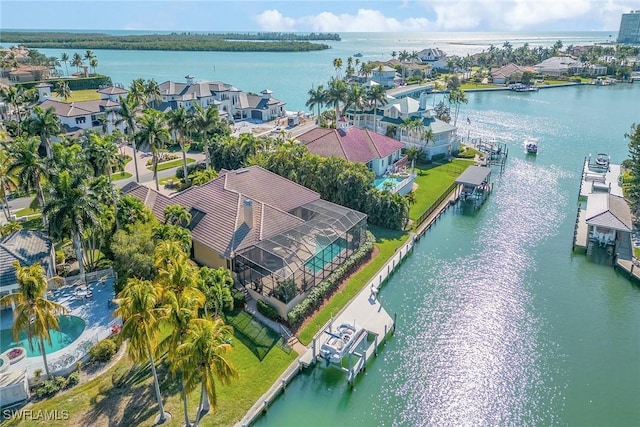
(96,311)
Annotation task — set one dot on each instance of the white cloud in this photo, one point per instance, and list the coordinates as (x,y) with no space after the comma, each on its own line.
(273,20)
(459,15)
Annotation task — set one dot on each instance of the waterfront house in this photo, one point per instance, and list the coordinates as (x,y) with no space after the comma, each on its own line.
(279,238)
(28,247)
(380,153)
(230,101)
(434,57)
(558,66)
(384,75)
(29,73)
(391,118)
(510,73)
(82,115)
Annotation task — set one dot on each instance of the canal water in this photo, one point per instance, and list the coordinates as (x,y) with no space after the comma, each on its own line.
(498,322)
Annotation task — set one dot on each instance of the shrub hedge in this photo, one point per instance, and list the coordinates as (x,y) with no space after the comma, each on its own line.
(55,384)
(198,166)
(81,83)
(104,350)
(318,294)
(268,310)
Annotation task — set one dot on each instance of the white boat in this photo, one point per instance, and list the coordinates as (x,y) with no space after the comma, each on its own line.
(531,145)
(340,340)
(602,160)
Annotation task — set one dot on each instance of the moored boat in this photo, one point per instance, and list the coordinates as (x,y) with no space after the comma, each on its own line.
(531,145)
(357,55)
(340,340)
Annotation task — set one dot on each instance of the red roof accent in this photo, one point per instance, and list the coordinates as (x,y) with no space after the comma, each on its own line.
(354,144)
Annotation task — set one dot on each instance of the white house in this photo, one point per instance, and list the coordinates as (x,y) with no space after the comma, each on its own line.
(230,101)
(559,65)
(434,57)
(384,76)
(391,116)
(84,114)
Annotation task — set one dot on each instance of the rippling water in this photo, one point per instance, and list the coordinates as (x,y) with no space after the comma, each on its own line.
(498,322)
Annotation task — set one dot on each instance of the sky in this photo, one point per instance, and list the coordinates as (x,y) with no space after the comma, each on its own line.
(316,16)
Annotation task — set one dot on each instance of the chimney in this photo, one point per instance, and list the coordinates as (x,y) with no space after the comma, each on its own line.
(248,212)
(189,78)
(266,94)
(44,91)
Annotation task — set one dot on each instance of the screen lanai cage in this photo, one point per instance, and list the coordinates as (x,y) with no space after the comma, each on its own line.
(290,263)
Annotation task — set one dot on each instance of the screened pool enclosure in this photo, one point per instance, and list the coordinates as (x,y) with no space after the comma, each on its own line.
(292,262)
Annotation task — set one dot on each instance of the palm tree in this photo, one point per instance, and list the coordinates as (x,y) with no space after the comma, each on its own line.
(88,55)
(16,98)
(62,89)
(377,94)
(153,131)
(457,97)
(128,113)
(107,157)
(317,98)
(7,181)
(201,357)
(65,59)
(46,124)
(337,64)
(139,307)
(403,56)
(93,63)
(336,94)
(77,61)
(179,122)
(152,93)
(216,285)
(177,215)
(137,92)
(34,314)
(208,125)
(72,209)
(28,168)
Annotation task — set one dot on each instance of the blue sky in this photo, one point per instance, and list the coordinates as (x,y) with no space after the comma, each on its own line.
(307,16)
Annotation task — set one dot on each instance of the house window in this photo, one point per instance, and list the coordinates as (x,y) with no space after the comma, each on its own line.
(369,165)
(81,120)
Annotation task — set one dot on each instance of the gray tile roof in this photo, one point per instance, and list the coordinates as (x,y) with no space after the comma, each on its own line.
(221,226)
(25,246)
(617,217)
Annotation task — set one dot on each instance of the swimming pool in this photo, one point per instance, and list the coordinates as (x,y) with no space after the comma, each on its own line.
(325,254)
(388,182)
(70,329)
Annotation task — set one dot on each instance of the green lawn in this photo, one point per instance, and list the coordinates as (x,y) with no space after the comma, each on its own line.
(387,242)
(432,182)
(124,395)
(79,95)
(164,181)
(472,85)
(120,175)
(27,212)
(171,164)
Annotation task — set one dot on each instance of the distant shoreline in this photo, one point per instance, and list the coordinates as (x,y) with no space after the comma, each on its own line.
(196,42)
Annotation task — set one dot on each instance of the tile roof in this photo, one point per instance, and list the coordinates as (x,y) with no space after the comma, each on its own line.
(113,90)
(617,215)
(354,144)
(26,246)
(79,108)
(221,226)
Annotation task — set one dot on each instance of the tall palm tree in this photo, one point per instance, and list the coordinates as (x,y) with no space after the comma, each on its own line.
(72,209)
(337,64)
(62,89)
(216,285)
(7,181)
(202,358)
(14,96)
(88,55)
(403,56)
(457,97)
(154,132)
(93,63)
(139,307)
(34,313)
(128,113)
(355,99)
(46,124)
(137,90)
(179,122)
(107,157)
(65,59)
(152,93)
(317,98)
(76,61)
(336,94)
(208,125)
(377,94)
(28,168)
